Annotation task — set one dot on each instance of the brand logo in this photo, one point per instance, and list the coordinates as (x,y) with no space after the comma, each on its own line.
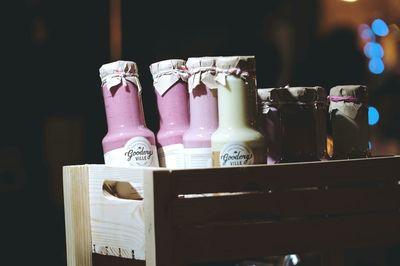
(139,152)
(235,154)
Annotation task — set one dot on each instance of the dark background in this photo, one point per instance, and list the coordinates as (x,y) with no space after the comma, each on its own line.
(52,111)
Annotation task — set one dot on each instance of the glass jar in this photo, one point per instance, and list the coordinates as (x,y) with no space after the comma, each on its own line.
(270,124)
(203,104)
(170,83)
(302,127)
(321,115)
(348,111)
(128,141)
(237,141)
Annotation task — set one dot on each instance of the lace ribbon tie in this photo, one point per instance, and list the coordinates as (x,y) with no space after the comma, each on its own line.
(347,99)
(121,77)
(223,73)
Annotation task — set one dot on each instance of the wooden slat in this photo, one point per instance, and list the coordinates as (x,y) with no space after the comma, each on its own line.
(216,242)
(117,224)
(333,258)
(158,230)
(150,240)
(77,215)
(261,177)
(278,205)
(103,260)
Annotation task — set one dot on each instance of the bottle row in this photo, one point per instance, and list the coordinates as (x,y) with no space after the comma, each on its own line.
(211,114)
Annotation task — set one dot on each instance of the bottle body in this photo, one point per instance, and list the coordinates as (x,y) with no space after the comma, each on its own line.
(203,103)
(236,142)
(174,121)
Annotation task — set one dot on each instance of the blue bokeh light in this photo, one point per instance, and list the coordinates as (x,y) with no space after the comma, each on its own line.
(380,27)
(373,116)
(373,49)
(376,65)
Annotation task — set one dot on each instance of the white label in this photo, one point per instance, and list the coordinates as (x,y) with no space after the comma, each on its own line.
(137,152)
(198,158)
(172,156)
(236,154)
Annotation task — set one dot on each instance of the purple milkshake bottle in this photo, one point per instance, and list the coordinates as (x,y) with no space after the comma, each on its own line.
(128,141)
(203,104)
(170,84)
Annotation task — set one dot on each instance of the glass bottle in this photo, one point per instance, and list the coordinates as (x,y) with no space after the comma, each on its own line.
(203,104)
(237,141)
(128,141)
(170,83)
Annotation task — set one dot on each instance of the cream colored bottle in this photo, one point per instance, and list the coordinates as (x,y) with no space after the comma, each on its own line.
(236,142)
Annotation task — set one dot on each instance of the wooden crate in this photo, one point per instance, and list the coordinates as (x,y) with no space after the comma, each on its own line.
(232,213)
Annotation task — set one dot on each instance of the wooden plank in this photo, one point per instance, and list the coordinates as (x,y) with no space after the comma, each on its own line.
(216,242)
(284,176)
(103,260)
(374,255)
(333,258)
(117,223)
(77,215)
(158,226)
(278,205)
(150,240)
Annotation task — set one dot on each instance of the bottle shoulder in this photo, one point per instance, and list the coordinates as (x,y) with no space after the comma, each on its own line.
(244,134)
(128,133)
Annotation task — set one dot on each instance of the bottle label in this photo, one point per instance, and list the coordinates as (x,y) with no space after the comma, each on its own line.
(235,154)
(137,152)
(172,156)
(198,158)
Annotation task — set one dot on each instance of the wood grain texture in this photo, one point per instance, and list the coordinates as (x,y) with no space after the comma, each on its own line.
(333,258)
(285,204)
(321,207)
(77,215)
(280,209)
(117,224)
(148,201)
(161,220)
(283,176)
(103,260)
(218,242)
(96,221)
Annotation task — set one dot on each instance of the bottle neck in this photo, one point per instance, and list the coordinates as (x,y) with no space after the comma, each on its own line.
(203,108)
(123,107)
(173,107)
(236,103)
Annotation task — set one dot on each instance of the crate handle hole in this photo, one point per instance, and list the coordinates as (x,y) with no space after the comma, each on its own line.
(120,190)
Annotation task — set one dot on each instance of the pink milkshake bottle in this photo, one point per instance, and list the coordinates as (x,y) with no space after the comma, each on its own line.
(170,83)
(128,141)
(203,104)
